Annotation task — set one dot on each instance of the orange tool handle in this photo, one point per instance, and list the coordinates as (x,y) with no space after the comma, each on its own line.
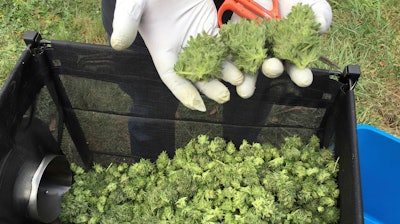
(248,9)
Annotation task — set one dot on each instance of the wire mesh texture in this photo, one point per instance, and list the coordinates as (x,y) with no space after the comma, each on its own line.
(95,80)
(85,95)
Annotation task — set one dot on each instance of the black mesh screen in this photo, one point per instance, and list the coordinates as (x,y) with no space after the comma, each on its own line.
(113,92)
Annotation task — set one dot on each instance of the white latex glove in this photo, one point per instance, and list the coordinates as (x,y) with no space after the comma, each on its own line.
(166,26)
(323,15)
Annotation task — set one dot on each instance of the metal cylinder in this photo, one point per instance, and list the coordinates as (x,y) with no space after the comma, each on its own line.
(41,186)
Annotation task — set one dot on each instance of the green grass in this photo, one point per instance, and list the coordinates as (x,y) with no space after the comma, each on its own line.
(364,32)
(78,21)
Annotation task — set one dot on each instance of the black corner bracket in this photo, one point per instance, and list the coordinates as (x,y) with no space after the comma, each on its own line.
(32,39)
(350,75)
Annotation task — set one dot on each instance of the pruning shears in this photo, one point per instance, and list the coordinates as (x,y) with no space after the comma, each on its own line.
(249,9)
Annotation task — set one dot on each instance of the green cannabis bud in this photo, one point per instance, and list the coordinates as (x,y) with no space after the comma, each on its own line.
(296,37)
(246,42)
(201,58)
(211,181)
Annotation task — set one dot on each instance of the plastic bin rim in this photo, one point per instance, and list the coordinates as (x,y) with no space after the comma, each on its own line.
(378,131)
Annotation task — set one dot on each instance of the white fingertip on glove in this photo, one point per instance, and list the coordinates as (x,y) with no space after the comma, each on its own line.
(126,21)
(274,67)
(166,26)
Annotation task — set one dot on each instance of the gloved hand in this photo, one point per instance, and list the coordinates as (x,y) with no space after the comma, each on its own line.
(323,15)
(166,26)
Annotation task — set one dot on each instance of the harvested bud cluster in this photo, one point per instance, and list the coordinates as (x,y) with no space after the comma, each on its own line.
(248,43)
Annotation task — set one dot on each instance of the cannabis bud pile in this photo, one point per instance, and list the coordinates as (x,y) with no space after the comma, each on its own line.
(211,181)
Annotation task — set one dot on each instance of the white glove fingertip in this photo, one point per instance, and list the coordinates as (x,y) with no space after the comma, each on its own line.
(324,24)
(214,90)
(190,98)
(301,77)
(194,103)
(184,91)
(247,88)
(231,74)
(124,32)
(323,14)
(272,67)
(126,21)
(121,41)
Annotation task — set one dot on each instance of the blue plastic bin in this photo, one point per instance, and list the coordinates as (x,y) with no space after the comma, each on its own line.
(379,154)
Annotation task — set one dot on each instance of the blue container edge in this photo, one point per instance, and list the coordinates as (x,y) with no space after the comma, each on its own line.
(377,130)
(370,218)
